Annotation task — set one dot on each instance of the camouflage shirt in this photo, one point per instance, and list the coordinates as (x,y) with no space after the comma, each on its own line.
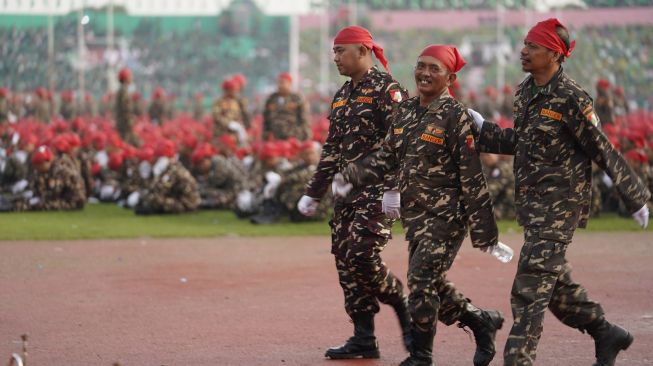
(286,116)
(123,114)
(439,171)
(173,191)
(61,188)
(555,138)
(359,120)
(219,187)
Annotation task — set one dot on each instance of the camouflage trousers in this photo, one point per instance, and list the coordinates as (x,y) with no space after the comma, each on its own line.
(358,235)
(543,280)
(432,297)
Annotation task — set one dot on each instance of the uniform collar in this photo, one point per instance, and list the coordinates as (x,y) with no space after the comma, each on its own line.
(549,88)
(437,103)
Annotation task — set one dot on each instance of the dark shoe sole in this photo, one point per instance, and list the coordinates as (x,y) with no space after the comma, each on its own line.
(347,356)
(498,324)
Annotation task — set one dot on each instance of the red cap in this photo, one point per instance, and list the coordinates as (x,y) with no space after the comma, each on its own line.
(447,54)
(229,84)
(603,84)
(67,95)
(115,160)
(124,74)
(285,76)
(136,96)
(355,34)
(544,34)
(506,89)
(145,153)
(202,152)
(61,144)
(240,80)
(159,93)
(43,153)
(636,155)
(269,150)
(490,91)
(4,92)
(228,141)
(165,148)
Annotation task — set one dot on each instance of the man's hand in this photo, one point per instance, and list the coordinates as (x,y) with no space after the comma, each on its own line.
(307,206)
(641,217)
(391,204)
(478,119)
(339,186)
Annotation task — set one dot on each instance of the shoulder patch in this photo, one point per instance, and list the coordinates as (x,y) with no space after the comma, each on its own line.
(398,131)
(591,116)
(339,103)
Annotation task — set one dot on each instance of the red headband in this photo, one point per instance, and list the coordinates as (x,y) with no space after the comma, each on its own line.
(356,34)
(448,55)
(544,33)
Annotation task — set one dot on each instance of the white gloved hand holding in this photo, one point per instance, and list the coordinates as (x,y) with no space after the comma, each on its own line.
(19,186)
(391,204)
(307,206)
(478,119)
(34,201)
(245,201)
(339,186)
(273,180)
(607,180)
(641,216)
(133,198)
(239,130)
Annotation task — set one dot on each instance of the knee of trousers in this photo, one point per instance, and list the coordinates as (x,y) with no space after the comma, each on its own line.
(423,307)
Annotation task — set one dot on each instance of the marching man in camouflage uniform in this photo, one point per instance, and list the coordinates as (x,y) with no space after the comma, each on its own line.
(361,113)
(431,149)
(286,113)
(124,109)
(555,138)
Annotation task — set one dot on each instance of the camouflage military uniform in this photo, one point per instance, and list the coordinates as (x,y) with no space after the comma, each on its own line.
(218,188)
(173,191)
(225,110)
(286,116)
(555,138)
(604,108)
(124,117)
(61,188)
(443,192)
(500,183)
(67,110)
(359,119)
(157,111)
(4,110)
(292,188)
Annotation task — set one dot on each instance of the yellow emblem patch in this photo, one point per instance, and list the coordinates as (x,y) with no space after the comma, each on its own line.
(432,139)
(398,131)
(551,114)
(433,130)
(339,103)
(363,99)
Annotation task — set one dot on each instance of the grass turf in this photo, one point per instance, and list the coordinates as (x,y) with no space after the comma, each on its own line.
(110,221)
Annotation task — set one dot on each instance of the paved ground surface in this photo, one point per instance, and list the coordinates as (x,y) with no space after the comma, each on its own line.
(272,301)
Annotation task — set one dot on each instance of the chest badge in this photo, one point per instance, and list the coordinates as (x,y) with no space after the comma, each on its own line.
(551,114)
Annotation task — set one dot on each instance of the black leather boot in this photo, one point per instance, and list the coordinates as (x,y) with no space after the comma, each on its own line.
(484,324)
(421,353)
(609,339)
(362,345)
(401,309)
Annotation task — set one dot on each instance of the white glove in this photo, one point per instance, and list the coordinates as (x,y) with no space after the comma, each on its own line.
(478,119)
(245,201)
(641,217)
(19,186)
(239,129)
(28,194)
(133,198)
(102,158)
(273,180)
(339,186)
(145,169)
(607,180)
(307,206)
(106,192)
(34,201)
(391,204)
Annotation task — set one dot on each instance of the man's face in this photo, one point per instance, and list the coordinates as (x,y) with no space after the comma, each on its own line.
(536,58)
(348,58)
(283,85)
(431,76)
(204,166)
(43,167)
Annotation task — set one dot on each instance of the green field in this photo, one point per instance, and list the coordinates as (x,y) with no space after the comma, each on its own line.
(110,221)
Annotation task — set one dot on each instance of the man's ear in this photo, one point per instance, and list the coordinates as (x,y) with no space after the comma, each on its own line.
(363,51)
(452,79)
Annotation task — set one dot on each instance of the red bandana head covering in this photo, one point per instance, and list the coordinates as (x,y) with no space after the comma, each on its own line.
(285,76)
(544,34)
(356,34)
(448,55)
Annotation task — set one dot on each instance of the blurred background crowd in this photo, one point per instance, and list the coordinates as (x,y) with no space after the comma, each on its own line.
(173,113)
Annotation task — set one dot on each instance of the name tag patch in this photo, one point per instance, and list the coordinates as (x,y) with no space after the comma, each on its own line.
(363,99)
(432,139)
(551,114)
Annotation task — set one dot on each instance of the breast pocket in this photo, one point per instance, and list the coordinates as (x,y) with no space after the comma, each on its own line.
(546,142)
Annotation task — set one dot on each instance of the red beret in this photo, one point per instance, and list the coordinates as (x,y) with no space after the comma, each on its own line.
(165,148)
(3,92)
(285,76)
(124,74)
(202,152)
(67,95)
(448,55)
(603,84)
(228,141)
(507,89)
(61,144)
(490,91)
(229,84)
(145,153)
(240,80)
(158,93)
(115,160)
(43,153)
(269,150)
